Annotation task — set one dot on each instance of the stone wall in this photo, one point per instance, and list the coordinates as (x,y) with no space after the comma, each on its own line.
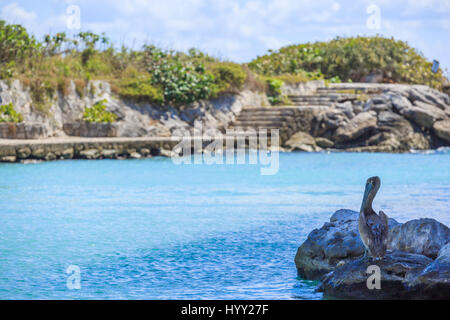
(86,129)
(87,149)
(133,119)
(22,131)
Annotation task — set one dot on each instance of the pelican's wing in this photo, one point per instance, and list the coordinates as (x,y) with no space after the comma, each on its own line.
(385,220)
(377,226)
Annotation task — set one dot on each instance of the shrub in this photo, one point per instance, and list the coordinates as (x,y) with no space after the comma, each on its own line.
(228,77)
(140,90)
(15,43)
(97,113)
(8,114)
(352,59)
(274,94)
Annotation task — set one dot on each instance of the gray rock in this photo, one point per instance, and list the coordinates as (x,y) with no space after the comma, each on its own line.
(324,142)
(350,280)
(301,141)
(90,154)
(433,282)
(424,114)
(361,124)
(421,236)
(336,241)
(388,118)
(442,129)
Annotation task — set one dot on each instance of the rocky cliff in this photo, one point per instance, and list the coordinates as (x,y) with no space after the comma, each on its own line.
(347,116)
(375,117)
(62,115)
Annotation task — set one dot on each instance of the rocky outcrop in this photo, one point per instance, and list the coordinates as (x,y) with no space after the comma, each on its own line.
(421,236)
(338,241)
(356,116)
(433,281)
(334,255)
(387,118)
(133,119)
(349,281)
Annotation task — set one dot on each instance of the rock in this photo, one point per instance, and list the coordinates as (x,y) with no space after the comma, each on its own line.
(421,236)
(145,152)
(135,155)
(388,118)
(50,156)
(301,141)
(108,153)
(38,153)
(8,159)
(350,280)
(433,282)
(442,129)
(361,124)
(90,154)
(67,153)
(400,103)
(165,153)
(424,114)
(336,241)
(324,142)
(23,153)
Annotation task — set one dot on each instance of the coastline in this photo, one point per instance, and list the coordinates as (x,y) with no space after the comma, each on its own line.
(63,148)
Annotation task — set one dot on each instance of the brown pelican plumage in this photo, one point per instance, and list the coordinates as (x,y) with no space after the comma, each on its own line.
(373,228)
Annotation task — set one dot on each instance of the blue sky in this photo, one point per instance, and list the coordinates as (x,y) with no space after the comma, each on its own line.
(240,30)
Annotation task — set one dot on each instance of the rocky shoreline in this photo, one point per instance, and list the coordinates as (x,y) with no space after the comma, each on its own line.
(353,117)
(417,265)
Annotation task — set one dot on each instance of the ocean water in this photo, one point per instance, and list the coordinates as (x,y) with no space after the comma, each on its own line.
(150,229)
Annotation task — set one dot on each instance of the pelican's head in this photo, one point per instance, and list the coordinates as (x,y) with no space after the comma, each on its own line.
(373,184)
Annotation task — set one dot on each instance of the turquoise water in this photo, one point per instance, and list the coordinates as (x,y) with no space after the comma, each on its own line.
(150,229)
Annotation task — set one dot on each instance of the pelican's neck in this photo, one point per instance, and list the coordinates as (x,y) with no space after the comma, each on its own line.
(369,194)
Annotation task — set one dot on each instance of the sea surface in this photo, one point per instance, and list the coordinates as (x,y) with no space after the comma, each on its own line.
(151,229)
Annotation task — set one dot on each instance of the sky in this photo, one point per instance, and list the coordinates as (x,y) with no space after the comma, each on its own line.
(240,30)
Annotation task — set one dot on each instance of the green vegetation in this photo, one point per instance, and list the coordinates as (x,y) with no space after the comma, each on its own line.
(164,77)
(98,113)
(274,91)
(351,59)
(8,114)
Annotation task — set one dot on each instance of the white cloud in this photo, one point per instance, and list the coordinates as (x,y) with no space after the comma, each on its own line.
(13,13)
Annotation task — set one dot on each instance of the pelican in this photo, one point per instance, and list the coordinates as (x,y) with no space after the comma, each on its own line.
(373,228)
